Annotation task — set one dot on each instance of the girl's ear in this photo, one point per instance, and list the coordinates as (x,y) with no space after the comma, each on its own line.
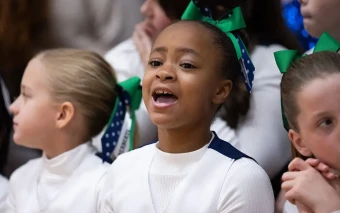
(298,143)
(65,114)
(222,92)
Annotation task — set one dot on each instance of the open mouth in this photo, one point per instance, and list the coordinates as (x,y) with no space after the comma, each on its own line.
(164,97)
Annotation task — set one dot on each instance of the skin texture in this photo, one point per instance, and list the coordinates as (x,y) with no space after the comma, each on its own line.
(176,64)
(311,184)
(40,122)
(321,16)
(155,20)
(319,121)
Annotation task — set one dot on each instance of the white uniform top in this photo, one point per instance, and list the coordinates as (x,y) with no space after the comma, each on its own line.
(290,208)
(3,192)
(261,135)
(68,183)
(221,180)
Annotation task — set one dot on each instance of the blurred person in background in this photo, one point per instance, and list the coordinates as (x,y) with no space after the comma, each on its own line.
(21,25)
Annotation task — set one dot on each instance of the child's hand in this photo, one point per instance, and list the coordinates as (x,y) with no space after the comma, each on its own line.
(321,167)
(305,185)
(142,38)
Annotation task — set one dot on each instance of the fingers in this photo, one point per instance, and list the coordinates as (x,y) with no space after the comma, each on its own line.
(328,175)
(321,167)
(146,27)
(287,185)
(298,165)
(291,195)
(289,176)
(313,162)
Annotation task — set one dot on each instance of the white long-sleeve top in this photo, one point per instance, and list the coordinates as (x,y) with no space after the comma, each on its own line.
(3,192)
(69,183)
(216,178)
(261,135)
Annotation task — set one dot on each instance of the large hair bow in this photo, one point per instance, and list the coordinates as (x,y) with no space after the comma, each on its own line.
(285,58)
(231,21)
(119,134)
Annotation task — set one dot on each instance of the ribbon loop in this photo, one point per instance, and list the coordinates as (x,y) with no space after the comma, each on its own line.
(231,21)
(285,58)
(119,134)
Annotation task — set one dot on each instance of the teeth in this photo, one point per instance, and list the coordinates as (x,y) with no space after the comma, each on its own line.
(162,92)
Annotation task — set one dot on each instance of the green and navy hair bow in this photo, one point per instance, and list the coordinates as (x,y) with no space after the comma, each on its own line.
(285,58)
(230,22)
(119,134)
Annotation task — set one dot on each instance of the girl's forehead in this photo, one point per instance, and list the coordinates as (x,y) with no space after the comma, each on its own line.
(185,32)
(320,93)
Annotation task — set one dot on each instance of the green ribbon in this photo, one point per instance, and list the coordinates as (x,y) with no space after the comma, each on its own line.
(133,88)
(128,100)
(234,21)
(285,58)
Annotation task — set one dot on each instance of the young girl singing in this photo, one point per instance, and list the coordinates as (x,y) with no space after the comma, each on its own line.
(309,91)
(67,97)
(190,73)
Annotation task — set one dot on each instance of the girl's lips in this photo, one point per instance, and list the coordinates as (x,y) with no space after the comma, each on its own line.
(163,105)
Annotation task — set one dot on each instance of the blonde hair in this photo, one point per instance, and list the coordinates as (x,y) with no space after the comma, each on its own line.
(85,79)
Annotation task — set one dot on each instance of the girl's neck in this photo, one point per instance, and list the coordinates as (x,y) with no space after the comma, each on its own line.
(60,145)
(182,140)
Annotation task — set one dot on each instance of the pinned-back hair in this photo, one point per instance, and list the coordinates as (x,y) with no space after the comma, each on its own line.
(238,101)
(300,73)
(85,79)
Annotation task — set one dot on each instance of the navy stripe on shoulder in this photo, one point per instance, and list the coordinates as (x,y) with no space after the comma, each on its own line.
(226,149)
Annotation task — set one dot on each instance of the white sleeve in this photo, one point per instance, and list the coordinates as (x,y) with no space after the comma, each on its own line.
(262,135)
(101,193)
(125,60)
(10,205)
(246,189)
(106,202)
(3,193)
(290,208)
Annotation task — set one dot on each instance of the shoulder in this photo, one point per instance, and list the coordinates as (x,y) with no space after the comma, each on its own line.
(26,169)
(125,47)
(264,61)
(3,187)
(246,188)
(246,176)
(225,149)
(132,158)
(137,154)
(94,164)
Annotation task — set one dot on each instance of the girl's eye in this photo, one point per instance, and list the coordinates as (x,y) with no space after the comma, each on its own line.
(155,63)
(326,123)
(187,66)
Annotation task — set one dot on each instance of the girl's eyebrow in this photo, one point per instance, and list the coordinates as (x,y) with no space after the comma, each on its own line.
(25,88)
(188,50)
(178,49)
